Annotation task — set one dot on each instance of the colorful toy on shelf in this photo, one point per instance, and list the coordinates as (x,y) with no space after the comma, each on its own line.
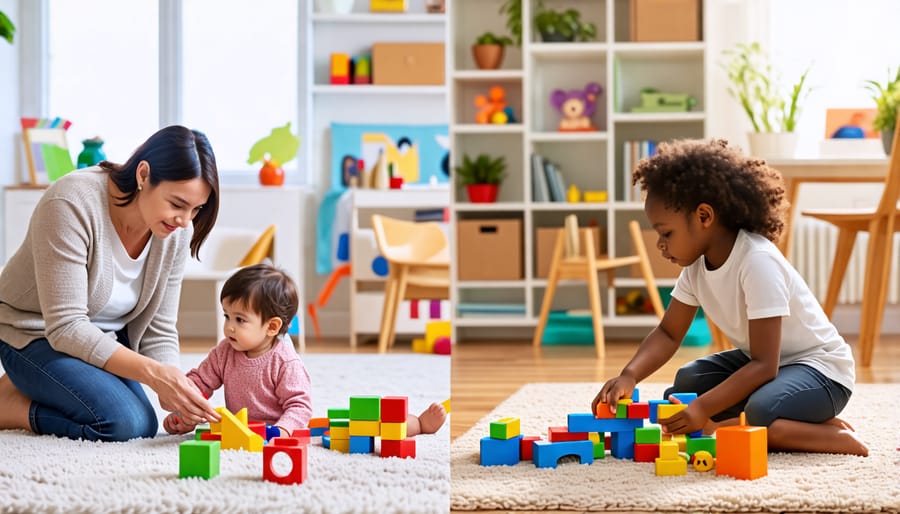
(340,68)
(596,196)
(387,5)
(652,100)
(576,106)
(362,69)
(492,108)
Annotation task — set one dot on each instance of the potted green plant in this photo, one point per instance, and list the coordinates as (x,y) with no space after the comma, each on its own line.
(481,176)
(488,50)
(563,26)
(7,29)
(757,86)
(887,100)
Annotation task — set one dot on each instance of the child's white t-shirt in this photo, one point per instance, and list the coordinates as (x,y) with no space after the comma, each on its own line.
(756,281)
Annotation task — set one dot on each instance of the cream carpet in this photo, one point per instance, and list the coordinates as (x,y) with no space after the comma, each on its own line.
(796,482)
(48,474)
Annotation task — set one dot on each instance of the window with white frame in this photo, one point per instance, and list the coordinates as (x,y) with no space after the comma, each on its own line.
(238,75)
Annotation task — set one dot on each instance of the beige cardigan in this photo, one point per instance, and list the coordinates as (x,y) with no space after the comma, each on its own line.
(62,276)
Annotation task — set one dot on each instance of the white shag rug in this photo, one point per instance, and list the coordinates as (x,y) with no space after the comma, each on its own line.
(795,482)
(49,474)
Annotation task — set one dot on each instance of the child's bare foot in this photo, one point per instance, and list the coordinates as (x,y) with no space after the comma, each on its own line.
(838,422)
(15,405)
(432,418)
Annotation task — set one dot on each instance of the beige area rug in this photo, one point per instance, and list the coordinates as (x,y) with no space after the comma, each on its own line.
(48,474)
(796,482)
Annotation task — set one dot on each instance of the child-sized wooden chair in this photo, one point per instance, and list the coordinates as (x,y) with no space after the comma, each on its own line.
(881,223)
(419,260)
(584,265)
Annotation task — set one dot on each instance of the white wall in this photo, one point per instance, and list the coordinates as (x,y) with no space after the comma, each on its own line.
(10,146)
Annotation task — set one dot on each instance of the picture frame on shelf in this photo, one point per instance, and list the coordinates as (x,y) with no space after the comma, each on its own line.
(47,153)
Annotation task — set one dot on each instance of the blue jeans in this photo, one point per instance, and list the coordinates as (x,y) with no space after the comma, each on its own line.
(798,392)
(74,399)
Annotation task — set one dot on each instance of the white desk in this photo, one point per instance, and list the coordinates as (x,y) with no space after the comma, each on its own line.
(825,170)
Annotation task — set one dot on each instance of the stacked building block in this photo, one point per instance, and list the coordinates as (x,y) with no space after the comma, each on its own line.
(355,429)
(670,462)
(504,445)
(742,451)
(365,423)
(339,430)
(394,440)
(296,451)
(198,459)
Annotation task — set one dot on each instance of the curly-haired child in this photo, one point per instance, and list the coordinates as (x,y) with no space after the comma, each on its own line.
(717,213)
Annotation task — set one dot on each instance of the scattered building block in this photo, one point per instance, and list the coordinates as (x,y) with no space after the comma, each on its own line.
(648,435)
(365,428)
(394,409)
(505,428)
(581,422)
(654,409)
(547,454)
(705,443)
(301,434)
(318,423)
(198,433)
(209,436)
(402,449)
(236,435)
(446,404)
(497,452)
(340,433)
(646,452)
(365,408)
(362,444)
(273,431)
(393,431)
(420,345)
(340,445)
(560,434)
(317,431)
(526,446)
(198,459)
(599,444)
(242,416)
(638,410)
(681,441)
(340,414)
(671,467)
(296,452)
(665,410)
(622,446)
(622,408)
(326,442)
(603,411)
(741,451)
(258,427)
(685,397)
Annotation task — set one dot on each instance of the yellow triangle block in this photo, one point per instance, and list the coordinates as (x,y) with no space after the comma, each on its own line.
(236,435)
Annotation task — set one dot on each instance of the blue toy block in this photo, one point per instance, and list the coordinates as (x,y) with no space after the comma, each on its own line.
(362,444)
(685,397)
(547,454)
(294,327)
(500,452)
(696,433)
(586,422)
(635,395)
(653,405)
(272,431)
(315,432)
(326,442)
(621,444)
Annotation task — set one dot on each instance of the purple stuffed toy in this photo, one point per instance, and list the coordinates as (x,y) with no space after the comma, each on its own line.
(576,106)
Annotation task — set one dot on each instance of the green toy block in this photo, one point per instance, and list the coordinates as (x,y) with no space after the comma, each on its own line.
(647,435)
(198,459)
(339,423)
(505,428)
(365,408)
(622,408)
(600,450)
(338,413)
(695,444)
(198,433)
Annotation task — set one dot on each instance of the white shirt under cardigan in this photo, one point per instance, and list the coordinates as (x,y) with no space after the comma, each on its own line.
(756,281)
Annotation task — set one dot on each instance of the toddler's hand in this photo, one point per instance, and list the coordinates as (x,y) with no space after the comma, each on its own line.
(174,424)
(612,391)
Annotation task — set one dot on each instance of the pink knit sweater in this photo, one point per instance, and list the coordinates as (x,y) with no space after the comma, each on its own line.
(274,386)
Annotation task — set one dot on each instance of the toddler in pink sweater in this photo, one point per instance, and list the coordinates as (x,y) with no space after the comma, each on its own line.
(256,362)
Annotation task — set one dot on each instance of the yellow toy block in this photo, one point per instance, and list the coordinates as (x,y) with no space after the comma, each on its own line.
(436,329)
(622,408)
(446,404)
(393,431)
(236,435)
(367,428)
(595,196)
(594,437)
(671,467)
(665,410)
(339,434)
(742,451)
(387,5)
(242,416)
(340,445)
(668,450)
(420,345)
(505,428)
(681,440)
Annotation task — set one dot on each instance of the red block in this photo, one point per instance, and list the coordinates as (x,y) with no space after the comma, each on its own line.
(646,452)
(259,427)
(403,449)
(557,434)
(526,446)
(639,410)
(302,434)
(293,449)
(208,436)
(394,409)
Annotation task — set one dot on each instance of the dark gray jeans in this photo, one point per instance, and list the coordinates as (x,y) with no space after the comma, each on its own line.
(799,392)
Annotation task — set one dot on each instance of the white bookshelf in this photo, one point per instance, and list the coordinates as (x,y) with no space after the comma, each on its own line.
(591,160)
(323,103)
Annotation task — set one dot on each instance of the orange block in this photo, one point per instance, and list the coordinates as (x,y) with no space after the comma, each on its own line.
(742,451)
(603,411)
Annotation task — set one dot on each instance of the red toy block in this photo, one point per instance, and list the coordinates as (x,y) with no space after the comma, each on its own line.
(559,434)
(209,436)
(394,409)
(639,410)
(646,452)
(302,435)
(295,451)
(526,448)
(259,427)
(402,449)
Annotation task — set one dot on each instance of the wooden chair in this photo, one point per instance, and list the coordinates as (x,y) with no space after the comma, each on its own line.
(881,223)
(419,259)
(584,265)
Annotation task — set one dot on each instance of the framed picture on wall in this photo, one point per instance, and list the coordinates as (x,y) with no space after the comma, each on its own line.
(46,150)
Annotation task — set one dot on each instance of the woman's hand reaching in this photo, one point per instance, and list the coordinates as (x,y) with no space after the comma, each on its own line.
(177,393)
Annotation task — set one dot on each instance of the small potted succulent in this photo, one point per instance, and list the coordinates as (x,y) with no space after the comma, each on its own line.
(887,100)
(488,50)
(481,176)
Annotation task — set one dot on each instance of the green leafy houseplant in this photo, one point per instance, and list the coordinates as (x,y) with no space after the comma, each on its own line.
(489,38)
(887,100)
(7,29)
(481,176)
(756,85)
(563,26)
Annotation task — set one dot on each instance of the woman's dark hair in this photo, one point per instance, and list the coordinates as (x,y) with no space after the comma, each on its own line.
(266,290)
(174,153)
(745,192)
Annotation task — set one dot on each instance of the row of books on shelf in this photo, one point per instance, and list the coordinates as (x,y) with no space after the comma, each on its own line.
(441,214)
(632,153)
(547,182)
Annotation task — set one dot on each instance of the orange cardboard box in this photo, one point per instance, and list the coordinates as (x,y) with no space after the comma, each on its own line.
(408,64)
(489,249)
(665,20)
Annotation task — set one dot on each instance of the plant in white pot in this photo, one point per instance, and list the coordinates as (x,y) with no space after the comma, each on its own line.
(773,113)
(481,176)
(887,100)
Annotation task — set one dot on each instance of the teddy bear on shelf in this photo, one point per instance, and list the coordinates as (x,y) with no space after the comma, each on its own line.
(576,106)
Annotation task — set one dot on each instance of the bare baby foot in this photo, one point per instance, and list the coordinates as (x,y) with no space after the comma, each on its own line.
(432,418)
